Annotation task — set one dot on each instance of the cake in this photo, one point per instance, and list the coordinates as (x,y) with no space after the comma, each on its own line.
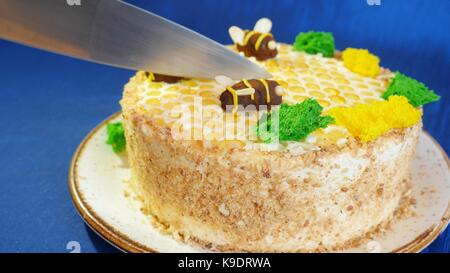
(334,174)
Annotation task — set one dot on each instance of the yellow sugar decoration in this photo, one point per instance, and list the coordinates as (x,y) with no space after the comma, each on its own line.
(361,61)
(367,122)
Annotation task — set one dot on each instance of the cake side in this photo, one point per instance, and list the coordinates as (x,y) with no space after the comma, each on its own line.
(264,201)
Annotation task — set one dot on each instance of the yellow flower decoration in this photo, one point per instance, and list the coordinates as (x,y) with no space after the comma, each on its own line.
(367,122)
(361,61)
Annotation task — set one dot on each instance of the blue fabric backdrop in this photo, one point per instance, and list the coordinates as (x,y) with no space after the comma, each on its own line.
(48,103)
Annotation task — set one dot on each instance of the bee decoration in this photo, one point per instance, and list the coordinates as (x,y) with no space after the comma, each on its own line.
(256,92)
(258,42)
(153,77)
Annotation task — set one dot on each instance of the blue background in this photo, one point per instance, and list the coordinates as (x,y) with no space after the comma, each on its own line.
(48,103)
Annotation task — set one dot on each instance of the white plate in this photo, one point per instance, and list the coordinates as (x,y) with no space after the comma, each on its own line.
(97,177)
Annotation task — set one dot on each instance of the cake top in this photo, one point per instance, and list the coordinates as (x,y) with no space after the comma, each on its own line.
(311,73)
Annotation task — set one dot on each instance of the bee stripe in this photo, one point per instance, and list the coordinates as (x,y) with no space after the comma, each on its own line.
(260,39)
(235,98)
(249,86)
(248,36)
(151,76)
(266,86)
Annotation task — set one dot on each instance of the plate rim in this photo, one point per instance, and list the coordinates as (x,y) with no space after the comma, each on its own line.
(124,243)
(90,217)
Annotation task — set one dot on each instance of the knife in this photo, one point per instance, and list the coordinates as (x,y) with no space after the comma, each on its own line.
(119,34)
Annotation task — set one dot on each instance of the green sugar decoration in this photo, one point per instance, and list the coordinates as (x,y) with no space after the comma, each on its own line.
(416,92)
(295,122)
(313,42)
(116,136)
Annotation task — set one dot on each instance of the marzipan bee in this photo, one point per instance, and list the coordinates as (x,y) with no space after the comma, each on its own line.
(153,77)
(258,43)
(258,92)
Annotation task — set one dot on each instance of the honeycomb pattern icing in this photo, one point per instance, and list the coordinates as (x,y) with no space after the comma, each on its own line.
(302,76)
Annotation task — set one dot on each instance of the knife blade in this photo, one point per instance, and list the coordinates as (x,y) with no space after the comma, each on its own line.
(119,34)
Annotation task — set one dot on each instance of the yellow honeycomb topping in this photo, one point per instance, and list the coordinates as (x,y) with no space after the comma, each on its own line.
(331,91)
(338,99)
(155,85)
(170,95)
(312,86)
(153,101)
(206,87)
(301,75)
(173,88)
(323,103)
(190,83)
(317,94)
(351,96)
